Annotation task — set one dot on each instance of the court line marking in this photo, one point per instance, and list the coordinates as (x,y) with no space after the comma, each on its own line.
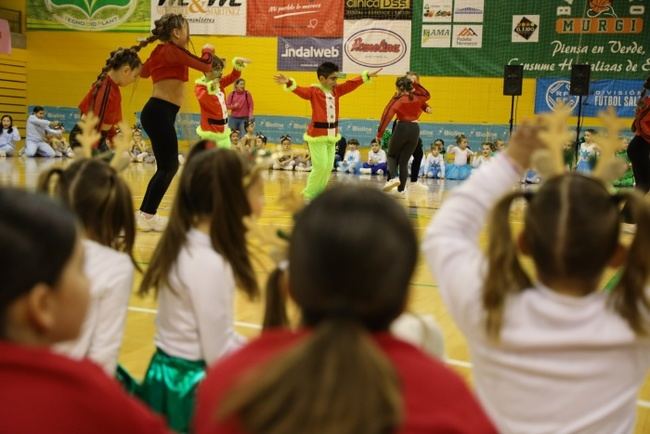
(452,362)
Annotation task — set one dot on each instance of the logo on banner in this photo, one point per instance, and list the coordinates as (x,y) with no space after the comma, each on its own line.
(205,17)
(436,36)
(378,9)
(601,18)
(305,54)
(525,28)
(467,36)
(375,48)
(470,11)
(558,92)
(91,15)
(436,11)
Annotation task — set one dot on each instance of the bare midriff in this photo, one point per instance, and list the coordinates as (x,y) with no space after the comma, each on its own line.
(170,90)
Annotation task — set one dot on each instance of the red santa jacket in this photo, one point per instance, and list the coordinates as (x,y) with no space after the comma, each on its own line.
(214,113)
(641,125)
(325,104)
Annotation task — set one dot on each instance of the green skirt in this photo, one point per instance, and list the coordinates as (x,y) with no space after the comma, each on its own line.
(168,388)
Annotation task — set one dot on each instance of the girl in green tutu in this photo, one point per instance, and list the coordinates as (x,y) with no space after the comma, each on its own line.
(200,259)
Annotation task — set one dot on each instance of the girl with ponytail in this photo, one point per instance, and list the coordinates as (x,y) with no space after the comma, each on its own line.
(551,352)
(104,99)
(102,202)
(168,67)
(342,373)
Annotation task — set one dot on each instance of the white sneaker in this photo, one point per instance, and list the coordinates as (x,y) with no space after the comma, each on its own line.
(391,184)
(380,172)
(156,223)
(365,171)
(418,187)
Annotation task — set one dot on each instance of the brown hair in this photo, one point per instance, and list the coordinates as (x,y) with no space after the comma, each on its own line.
(101,200)
(117,59)
(212,185)
(571,230)
(336,380)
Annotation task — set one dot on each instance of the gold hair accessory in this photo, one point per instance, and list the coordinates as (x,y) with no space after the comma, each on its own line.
(88,135)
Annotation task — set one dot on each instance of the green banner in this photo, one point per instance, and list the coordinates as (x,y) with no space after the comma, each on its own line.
(89,15)
(479,37)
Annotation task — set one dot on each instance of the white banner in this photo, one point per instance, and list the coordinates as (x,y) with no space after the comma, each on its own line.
(373,44)
(206,17)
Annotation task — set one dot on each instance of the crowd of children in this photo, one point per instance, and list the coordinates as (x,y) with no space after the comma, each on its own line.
(551,352)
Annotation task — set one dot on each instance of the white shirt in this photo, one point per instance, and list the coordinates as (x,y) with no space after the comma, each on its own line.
(111,278)
(37,128)
(352,157)
(437,160)
(461,156)
(195,318)
(7,139)
(563,364)
(377,157)
(479,160)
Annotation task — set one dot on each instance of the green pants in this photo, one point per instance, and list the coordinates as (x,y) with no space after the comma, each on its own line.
(321,150)
(222,140)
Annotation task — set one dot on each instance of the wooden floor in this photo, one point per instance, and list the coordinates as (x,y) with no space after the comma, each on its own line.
(138,341)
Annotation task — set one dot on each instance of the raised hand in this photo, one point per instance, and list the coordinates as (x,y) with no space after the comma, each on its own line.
(280,79)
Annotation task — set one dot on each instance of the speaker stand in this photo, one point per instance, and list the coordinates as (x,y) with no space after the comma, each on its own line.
(512,113)
(576,151)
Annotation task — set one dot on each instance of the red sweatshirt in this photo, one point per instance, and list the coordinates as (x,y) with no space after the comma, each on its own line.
(214,113)
(642,119)
(325,105)
(169,61)
(42,392)
(107,104)
(407,107)
(436,400)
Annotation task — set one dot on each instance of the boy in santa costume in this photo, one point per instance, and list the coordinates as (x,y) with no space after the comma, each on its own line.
(323,130)
(209,90)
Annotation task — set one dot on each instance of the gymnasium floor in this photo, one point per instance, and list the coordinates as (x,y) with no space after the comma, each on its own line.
(138,346)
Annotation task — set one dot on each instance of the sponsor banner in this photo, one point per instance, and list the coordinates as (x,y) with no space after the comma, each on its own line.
(546,37)
(206,17)
(317,18)
(620,94)
(467,36)
(436,11)
(525,28)
(436,35)
(369,44)
(469,11)
(87,15)
(305,54)
(379,9)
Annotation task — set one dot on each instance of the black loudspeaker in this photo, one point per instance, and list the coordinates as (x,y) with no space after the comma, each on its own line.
(513,76)
(580,75)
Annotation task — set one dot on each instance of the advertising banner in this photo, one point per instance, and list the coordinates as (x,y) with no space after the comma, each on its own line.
(378,9)
(89,15)
(316,18)
(620,94)
(305,54)
(369,45)
(206,17)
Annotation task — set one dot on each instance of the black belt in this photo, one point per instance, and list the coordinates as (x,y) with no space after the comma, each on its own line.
(212,121)
(326,125)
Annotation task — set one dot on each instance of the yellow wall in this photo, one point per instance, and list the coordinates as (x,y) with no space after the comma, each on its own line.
(62,65)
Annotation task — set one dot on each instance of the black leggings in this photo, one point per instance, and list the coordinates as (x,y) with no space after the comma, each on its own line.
(158,117)
(418,154)
(401,147)
(639,153)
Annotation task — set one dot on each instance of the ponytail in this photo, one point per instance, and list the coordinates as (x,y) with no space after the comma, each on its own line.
(45,180)
(275,311)
(351,387)
(505,274)
(629,296)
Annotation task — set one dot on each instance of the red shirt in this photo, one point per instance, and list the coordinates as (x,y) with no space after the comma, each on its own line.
(642,119)
(407,107)
(436,400)
(106,104)
(213,103)
(325,105)
(42,392)
(169,61)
